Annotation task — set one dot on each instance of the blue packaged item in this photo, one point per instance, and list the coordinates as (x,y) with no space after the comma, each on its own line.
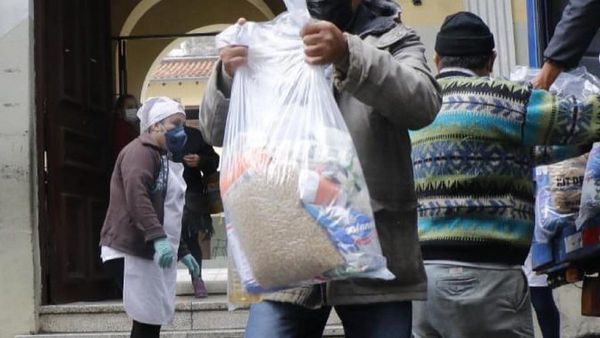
(353,234)
(558,195)
(559,246)
(589,211)
(541,255)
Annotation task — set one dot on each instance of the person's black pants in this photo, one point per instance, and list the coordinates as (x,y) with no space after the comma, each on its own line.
(115,269)
(141,330)
(546,311)
(193,244)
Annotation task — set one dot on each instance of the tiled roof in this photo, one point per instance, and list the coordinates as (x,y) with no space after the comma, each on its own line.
(184,68)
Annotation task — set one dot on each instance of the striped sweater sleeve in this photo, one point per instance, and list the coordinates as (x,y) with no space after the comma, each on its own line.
(554,120)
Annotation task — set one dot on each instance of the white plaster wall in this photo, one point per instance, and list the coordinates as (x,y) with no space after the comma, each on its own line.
(18,242)
(429,33)
(521,43)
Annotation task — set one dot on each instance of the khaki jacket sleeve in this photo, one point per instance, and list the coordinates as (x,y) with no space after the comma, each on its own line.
(215,106)
(396,81)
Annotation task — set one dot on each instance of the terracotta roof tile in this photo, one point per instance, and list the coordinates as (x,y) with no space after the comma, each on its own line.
(184,68)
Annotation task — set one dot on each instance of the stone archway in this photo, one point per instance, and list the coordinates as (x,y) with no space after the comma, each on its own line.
(145,5)
(169,47)
(159,17)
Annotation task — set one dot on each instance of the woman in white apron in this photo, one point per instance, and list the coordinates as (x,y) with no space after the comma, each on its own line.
(143,223)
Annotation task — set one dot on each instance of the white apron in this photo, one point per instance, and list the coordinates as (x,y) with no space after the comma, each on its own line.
(149,290)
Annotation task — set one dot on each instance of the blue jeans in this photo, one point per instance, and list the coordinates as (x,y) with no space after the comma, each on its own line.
(284,320)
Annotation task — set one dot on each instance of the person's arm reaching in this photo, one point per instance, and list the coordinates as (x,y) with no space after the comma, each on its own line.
(554,120)
(215,104)
(573,34)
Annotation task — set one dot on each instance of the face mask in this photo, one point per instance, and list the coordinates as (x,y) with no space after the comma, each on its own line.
(131,115)
(338,12)
(176,139)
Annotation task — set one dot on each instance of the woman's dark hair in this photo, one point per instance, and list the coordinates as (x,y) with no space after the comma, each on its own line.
(120,103)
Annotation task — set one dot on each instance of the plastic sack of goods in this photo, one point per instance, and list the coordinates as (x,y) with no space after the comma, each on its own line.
(577,82)
(296,203)
(558,196)
(589,214)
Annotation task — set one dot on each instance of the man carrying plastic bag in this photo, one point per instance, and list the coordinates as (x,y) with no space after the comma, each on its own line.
(383,88)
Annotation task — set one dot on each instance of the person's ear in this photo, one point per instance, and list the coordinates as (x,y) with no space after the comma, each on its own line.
(492,61)
(437,60)
(156,128)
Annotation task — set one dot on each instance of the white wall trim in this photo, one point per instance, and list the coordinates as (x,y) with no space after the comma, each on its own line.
(498,16)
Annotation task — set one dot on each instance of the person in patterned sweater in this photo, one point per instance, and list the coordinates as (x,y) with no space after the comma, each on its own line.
(473,176)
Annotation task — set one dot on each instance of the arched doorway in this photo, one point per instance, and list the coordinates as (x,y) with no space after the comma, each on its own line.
(166,21)
(76,84)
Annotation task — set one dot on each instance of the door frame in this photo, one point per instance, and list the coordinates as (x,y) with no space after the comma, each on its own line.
(534,32)
(42,68)
(39,7)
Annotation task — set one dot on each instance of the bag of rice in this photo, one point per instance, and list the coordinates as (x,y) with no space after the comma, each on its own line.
(589,211)
(296,203)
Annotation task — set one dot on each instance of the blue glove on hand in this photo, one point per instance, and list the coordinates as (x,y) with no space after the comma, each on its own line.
(163,253)
(190,262)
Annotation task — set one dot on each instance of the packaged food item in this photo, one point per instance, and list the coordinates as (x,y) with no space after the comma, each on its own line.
(558,196)
(294,195)
(589,211)
(237,297)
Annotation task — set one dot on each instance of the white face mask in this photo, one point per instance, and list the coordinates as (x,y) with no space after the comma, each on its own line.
(131,115)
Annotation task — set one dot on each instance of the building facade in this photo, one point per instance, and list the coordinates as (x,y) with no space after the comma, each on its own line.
(62,63)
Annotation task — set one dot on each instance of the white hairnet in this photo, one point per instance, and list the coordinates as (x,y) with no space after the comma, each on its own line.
(156,109)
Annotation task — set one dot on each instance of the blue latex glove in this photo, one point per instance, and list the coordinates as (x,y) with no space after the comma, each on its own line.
(193,267)
(163,253)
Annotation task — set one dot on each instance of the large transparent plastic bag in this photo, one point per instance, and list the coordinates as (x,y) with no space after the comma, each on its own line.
(296,203)
(578,82)
(237,297)
(558,195)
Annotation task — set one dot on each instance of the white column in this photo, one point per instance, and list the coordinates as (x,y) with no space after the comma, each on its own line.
(497,14)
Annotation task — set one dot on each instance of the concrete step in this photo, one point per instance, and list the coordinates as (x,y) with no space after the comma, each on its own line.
(215,280)
(330,332)
(192,316)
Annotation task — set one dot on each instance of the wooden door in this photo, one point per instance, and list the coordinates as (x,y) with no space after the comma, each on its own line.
(73,98)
